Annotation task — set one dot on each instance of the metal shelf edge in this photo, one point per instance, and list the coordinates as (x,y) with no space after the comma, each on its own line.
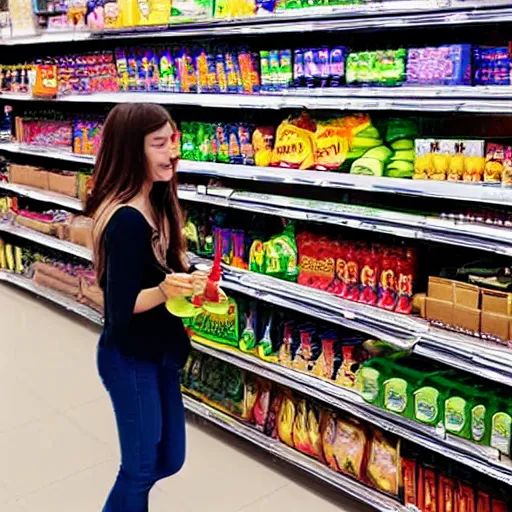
(42,195)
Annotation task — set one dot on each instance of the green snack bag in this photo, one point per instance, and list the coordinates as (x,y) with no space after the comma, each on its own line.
(188,141)
(248,339)
(281,255)
(402,144)
(481,418)
(257,259)
(397,129)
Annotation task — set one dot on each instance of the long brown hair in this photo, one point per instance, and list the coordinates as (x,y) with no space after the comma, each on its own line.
(119,176)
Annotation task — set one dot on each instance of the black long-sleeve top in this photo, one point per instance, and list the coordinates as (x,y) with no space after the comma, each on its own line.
(131,266)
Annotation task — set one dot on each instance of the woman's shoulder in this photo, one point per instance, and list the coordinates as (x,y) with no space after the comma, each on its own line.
(130,220)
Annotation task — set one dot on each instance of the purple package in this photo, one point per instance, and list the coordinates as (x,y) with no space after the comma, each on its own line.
(443,65)
(321,56)
(311,72)
(225,243)
(337,58)
(298,68)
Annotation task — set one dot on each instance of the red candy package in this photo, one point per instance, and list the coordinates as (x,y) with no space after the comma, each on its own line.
(406,271)
(351,277)
(370,267)
(388,280)
(316,260)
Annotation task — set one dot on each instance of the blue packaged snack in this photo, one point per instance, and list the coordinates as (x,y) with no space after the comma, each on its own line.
(151,70)
(185,64)
(245,138)
(213,83)
(220,67)
(132,70)
(321,56)
(337,66)
(443,65)
(298,68)
(234,149)
(311,72)
(492,66)
(234,81)
(285,69)
(140,77)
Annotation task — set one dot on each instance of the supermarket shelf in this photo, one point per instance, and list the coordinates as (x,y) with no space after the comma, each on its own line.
(483,459)
(68,304)
(44,152)
(42,195)
(482,193)
(46,240)
(464,352)
(478,357)
(387,14)
(345,484)
(433,99)
(486,193)
(419,227)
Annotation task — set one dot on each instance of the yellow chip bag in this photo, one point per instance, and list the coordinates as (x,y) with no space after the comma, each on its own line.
(295,147)
(332,146)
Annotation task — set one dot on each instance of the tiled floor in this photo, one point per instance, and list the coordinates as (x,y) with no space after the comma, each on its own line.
(58,445)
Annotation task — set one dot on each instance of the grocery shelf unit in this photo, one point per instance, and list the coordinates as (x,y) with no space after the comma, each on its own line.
(460,351)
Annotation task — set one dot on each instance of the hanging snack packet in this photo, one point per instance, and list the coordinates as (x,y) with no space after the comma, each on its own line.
(370,271)
(332,146)
(306,430)
(234,150)
(290,344)
(201,65)
(286,419)
(222,143)
(234,81)
(494,163)
(295,145)
(310,350)
(262,144)
(337,58)
(298,68)
(383,460)
(246,148)
(330,360)
(285,69)
(281,255)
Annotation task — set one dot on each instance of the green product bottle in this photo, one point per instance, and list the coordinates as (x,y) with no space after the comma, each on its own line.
(501,425)
(428,403)
(370,381)
(399,389)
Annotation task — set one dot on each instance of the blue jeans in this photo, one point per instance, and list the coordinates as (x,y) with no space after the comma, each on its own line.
(151,424)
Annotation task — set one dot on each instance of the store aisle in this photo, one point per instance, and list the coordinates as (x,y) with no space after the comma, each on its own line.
(58,445)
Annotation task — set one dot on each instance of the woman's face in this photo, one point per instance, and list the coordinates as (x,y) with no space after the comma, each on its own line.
(161,149)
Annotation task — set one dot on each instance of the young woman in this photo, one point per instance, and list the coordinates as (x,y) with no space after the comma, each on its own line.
(139,256)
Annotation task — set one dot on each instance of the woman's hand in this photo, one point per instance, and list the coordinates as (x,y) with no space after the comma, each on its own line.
(177,285)
(199,279)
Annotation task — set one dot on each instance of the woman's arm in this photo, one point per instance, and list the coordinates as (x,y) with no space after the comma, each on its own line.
(148,299)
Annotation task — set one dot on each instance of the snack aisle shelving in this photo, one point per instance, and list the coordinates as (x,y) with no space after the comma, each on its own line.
(473,355)
(481,459)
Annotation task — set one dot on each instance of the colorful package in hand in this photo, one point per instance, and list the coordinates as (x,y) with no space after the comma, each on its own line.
(444,65)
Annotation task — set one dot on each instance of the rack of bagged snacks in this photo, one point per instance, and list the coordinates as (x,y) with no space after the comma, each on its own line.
(355,184)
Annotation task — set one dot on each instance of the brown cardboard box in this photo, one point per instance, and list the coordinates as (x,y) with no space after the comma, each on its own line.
(80,231)
(497,302)
(440,289)
(466,318)
(28,176)
(467,295)
(439,310)
(496,325)
(63,183)
(419,301)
